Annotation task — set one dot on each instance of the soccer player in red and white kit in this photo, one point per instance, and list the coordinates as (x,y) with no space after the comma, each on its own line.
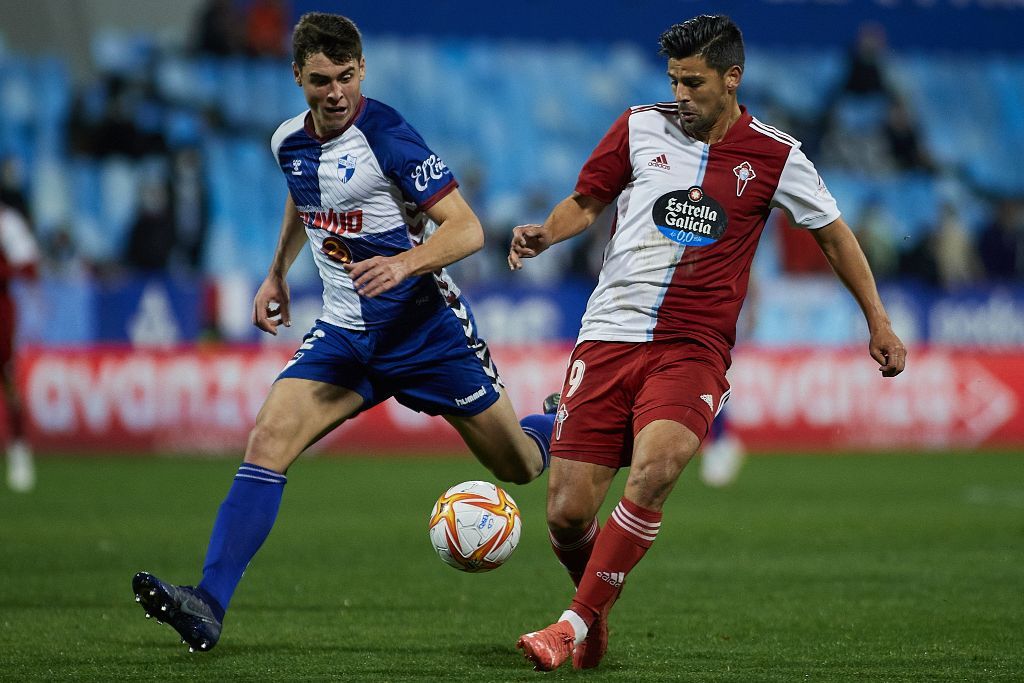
(694,181)
(19,258)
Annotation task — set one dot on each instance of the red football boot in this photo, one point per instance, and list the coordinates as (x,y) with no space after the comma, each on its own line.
(549,647)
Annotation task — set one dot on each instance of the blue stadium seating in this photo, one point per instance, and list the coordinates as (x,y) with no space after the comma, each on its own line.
(525,116)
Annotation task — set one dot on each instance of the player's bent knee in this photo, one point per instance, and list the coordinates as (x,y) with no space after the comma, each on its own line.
(568,517)
(268,446)
(566,526)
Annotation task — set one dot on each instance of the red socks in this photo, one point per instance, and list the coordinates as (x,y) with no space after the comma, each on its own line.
(626,536)
(574,556)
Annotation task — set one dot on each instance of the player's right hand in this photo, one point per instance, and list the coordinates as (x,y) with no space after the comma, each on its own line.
(270,307)
(527,241)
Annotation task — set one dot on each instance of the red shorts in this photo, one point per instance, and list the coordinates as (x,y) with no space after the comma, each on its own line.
(613,390)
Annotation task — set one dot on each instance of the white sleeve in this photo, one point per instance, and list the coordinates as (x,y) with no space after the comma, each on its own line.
(16,240)
(802,193)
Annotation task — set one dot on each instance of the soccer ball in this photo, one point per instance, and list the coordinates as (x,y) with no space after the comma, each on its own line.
(475,526)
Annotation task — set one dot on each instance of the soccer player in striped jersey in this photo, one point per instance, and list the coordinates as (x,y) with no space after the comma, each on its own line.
(693,181)
(365,192)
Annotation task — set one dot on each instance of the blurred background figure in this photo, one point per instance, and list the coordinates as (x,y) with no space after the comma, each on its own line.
(152,237)
(1001,242)
(874,230)
(19,258)
(956,257)
(906,149)
(945,256)
(267,25)
(723,452)
(722,455)
(12,186)
(865,63)
(218,29)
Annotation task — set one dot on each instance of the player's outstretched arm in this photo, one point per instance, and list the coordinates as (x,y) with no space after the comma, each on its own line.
(270,307)
(840,247)
(570,217)
(458,235)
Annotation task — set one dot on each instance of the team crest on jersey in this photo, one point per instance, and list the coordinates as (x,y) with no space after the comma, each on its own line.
(346,167)
(560,417)
(336,250)
(744,174)
(690,217)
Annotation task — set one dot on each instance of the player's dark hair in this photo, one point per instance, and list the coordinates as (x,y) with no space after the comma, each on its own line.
(714,37)
(334,35)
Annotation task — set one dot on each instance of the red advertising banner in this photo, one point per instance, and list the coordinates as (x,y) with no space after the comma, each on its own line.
(113,399)
(205,399)
(811,399)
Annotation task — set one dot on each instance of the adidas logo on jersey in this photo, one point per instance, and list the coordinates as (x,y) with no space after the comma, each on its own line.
(660,161)
(613,578)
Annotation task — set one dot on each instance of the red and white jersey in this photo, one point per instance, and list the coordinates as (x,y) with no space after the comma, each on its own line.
(688,219)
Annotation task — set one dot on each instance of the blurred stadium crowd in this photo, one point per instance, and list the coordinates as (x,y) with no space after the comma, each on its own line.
(160,163)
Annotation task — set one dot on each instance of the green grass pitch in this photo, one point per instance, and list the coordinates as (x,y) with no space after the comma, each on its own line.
(836,568)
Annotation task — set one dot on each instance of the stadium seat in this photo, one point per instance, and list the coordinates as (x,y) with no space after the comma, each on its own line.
(118,52)
(524,115)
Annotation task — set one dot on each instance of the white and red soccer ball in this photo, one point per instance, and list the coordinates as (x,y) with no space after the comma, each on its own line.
(475,526)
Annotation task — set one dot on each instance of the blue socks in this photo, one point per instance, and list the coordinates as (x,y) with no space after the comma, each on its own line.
(243,523)
(539,428)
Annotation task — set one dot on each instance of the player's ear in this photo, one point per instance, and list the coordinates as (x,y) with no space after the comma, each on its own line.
(733,76)
(297,73)
(362,67)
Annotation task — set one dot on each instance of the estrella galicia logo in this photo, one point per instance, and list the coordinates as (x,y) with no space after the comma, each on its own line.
(346,167)
(690,218)
(336,250)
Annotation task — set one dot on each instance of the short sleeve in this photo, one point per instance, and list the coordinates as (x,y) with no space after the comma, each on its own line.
(421,175)
(803,195)
(609,168)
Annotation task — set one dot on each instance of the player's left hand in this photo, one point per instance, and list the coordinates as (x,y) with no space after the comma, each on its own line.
(888,350)
(376,275)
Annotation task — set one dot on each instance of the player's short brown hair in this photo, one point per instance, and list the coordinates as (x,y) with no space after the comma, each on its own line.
(334,35)
(714,37)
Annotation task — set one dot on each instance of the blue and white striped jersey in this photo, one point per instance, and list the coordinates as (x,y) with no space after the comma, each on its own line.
(361,193)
